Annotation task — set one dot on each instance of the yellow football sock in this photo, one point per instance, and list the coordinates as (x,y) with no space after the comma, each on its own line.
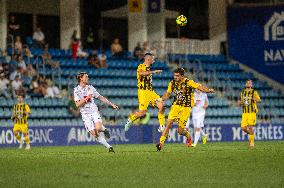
(161,119)
(162,139)
(132,117)
(251,138)
(18,137)
(27,139)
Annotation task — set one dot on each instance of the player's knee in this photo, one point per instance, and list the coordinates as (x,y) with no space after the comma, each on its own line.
(15,132)
(180,130)
(142,113)
(162,110)
(245,129)
(197,129)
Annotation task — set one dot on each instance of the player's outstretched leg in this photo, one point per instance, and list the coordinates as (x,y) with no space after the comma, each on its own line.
(106,132)
(27,140)
(204,136)
(251,137)
(165,133)
(132,118)
(18,137)
(196,137)
(185,133)
(161,116)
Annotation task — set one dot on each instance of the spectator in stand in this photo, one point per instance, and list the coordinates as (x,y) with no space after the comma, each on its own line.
(17,85)
(137,53)
(4,69)
(74,36)
(13,27)
(39,37)
(72,108)
(47,58)
(90,41)
(18,45)
(37,88)
(116,48)
(17,72)
(145,47)
(74,44)
(52,90)
(26,52)
(22,64)
(80,52)
(31,72)
(4,89)
(93,59)
(103,60)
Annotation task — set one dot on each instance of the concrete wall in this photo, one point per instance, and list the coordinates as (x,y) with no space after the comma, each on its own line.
(217,19)
(48,7)
(69,21)
(68,10)
(3,24)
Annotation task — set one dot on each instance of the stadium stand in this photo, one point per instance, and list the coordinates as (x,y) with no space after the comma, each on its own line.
(118,82)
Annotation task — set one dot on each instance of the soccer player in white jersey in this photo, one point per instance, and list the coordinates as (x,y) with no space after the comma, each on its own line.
(84,98)
(198,113)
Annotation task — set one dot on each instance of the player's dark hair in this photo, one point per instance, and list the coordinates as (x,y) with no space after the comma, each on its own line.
(20,93)
(148,53)
(79,76)
(180,71)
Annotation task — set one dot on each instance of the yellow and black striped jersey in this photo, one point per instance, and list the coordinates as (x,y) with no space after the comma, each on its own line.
(183,92)
(19,117)
(247,96)
(144,82)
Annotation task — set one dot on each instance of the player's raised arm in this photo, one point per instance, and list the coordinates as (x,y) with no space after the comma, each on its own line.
(146,73)
(205,89)
(168,92)
(105,100)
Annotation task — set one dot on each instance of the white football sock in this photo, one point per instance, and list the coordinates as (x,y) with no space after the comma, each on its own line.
(196,137)
(202,133)
(187,124)
(101,139)
(103,128)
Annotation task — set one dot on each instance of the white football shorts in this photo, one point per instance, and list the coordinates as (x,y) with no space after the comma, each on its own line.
(90,120)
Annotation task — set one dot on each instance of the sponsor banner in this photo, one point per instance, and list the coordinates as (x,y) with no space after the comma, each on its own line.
(256,38)
(77,135)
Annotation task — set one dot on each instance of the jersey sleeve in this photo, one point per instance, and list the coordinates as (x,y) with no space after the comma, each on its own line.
(193,84)
(95,93)
(141,67)
(27,108)
(76,96)
(170,86)
(256,96)
(206,99)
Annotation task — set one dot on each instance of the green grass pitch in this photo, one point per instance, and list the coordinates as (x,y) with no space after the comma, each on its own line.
(211,165)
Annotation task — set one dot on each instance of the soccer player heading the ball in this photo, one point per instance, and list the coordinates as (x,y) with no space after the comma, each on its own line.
(146,94)
(183,101)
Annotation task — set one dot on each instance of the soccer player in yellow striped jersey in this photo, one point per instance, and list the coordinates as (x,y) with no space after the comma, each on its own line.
(146,94)
(21,111)
(181,106)
(249,97)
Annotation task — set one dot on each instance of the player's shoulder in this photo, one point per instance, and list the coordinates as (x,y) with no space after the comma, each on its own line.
(141,65)
(172,82)
(91,87)
(76,88)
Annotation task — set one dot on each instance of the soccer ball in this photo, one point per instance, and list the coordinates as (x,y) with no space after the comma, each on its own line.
(181,20)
